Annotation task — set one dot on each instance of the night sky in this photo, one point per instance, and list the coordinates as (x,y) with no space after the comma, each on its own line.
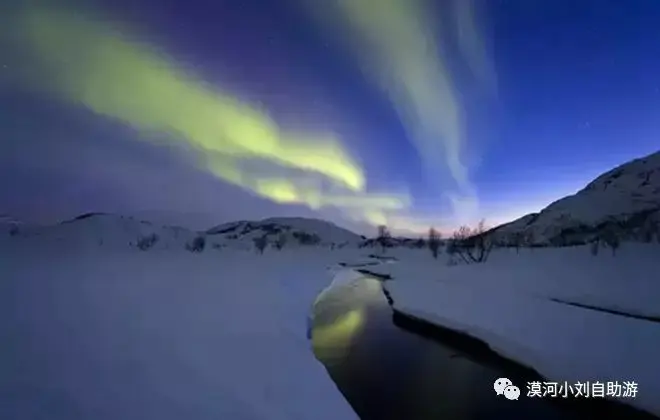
(405,112)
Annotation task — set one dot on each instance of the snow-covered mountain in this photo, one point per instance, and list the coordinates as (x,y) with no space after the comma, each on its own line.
(293,230)
(107,230)
(118,231)
(626,198)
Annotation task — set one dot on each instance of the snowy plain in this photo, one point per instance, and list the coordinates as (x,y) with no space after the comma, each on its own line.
(506,303)
(163,334)
(93,328)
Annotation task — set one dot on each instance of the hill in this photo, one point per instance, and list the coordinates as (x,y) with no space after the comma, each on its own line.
(625,199)
(118,231)
(294,230)
(107,230)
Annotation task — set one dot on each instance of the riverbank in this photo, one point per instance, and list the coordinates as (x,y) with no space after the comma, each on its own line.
(165,334)
(480,352)
(386,372)
(540,339)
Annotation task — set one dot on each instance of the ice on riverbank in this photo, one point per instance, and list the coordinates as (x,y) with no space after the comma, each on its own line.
(505,303)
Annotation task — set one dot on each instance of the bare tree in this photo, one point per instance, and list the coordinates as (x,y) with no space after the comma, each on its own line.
(611,239)
(383,237)
(457,245)
(472,245)
(516,240)
(280,242)
(434,242)
(520,240)
(650,231)
(260,243)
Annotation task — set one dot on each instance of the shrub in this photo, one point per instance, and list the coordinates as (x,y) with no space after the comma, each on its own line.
(197,245)
(434,242)
(451,247)
(147,242)
(611,239)
(305,238)
(649,231)
(260,243)
(280,242)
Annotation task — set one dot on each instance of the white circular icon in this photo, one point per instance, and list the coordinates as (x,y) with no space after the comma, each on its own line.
(501,384)
(512,392)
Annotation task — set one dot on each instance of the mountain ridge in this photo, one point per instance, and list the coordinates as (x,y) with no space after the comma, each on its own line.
(117,230)
(626,198)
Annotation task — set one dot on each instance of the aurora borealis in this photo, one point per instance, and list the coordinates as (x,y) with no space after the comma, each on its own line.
(412,113)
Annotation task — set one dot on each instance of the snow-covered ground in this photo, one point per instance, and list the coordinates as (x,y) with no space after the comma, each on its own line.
(163,334)
(505,302)
(92,327)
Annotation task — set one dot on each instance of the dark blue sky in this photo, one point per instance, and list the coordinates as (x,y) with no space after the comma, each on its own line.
(577,93)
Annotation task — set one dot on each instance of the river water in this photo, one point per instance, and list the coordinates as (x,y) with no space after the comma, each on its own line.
(386,372)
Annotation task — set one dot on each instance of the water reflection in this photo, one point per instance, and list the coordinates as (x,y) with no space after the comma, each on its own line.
(335,323)
(388,373)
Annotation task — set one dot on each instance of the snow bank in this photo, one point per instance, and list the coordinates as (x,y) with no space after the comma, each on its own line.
(340,277)
(627,282)
(494,302)
(161,335)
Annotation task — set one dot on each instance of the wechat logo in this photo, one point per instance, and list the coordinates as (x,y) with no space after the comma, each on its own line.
(503,386)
